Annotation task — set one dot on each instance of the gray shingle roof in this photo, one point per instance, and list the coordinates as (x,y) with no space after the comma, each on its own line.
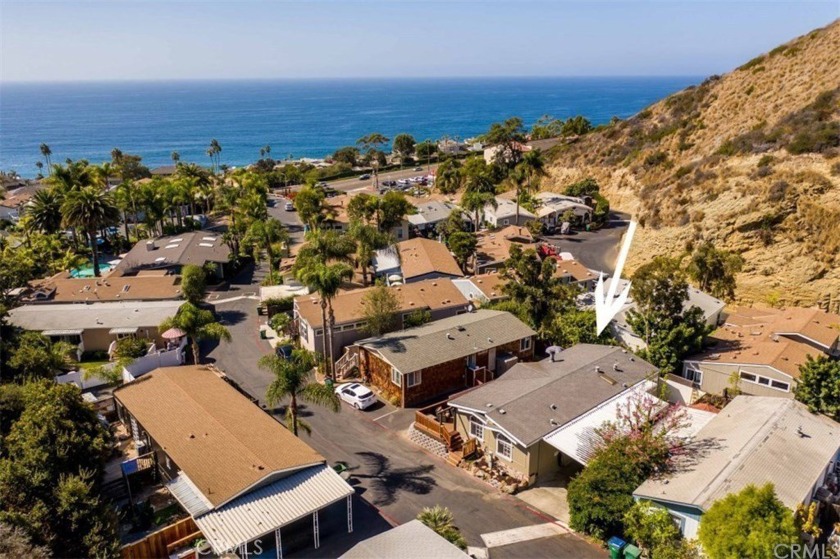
(88,316)
(538,398)
(412,540)
(194,247)
(448,339)
(754,440)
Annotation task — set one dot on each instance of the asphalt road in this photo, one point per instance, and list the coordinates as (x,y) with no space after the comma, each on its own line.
(597,250)
(392,476)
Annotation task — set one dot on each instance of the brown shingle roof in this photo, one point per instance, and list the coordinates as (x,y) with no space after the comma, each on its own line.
(495,246)
(574,269)
(62,288)
(420,256)
(220,440)
(772,337)
(432,294)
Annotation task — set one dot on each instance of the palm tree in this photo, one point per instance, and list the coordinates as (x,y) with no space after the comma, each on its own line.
(45,210)
(440,520)
(293,379)
(198,324)
(40,166)
(326,280)
(126,199)
(214,151)
(176,157)
(325,245)
(264,236)
(368,240)
(47,153)
(474,201)
(516,178)
(370,143)
(448,176)
(533,164)
(90,209)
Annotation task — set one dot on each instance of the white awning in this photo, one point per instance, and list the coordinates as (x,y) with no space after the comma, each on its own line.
(123,330)
(263,510)
(578,439)
(62,332)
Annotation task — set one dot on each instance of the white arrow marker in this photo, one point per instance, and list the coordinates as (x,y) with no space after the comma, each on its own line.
(606,307)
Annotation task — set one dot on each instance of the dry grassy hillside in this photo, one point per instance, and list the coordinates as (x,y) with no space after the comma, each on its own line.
(749,160)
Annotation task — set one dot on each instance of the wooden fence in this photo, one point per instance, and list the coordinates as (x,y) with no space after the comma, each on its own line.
(162,543)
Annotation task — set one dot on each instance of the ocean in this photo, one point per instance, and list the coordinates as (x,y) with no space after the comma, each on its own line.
(297,118)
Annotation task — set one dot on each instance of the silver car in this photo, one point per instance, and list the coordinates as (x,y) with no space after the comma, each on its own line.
(355,394)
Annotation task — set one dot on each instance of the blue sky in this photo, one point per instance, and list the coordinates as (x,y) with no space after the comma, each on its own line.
(180,39)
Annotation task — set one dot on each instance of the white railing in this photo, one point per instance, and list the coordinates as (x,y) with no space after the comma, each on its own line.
(346,364)
(153,360)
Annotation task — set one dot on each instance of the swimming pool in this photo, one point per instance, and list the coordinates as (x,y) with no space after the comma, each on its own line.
(87,271)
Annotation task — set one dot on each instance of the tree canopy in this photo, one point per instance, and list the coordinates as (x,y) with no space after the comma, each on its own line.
(54,451)
(750,523)
(819,385)
(379,309)
(714,270)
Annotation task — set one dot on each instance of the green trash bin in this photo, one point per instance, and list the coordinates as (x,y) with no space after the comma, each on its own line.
(632,552)
(615,545)
(263,335)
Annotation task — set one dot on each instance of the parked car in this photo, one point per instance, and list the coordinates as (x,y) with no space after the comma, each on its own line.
(418,168)
(364,177)
(284,351)
(355,394)
(289,207)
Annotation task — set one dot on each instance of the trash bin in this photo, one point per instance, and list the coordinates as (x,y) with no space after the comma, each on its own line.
(263,335)
(615,545)
(632,552)
(329,382)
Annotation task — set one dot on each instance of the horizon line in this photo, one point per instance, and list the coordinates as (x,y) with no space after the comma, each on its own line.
(343,78)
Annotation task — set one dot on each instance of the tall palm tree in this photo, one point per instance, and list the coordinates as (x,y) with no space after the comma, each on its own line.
(264,236)
(516,179)
(198,324)
(90,209)
(533,163)
(47,153)
(370,144)
(475,201)
(125,196)
(326,279)
(44,209)
(368,240)
(176,157)
(325,245)
(293,379)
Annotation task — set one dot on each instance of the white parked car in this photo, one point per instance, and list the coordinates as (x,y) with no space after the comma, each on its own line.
(289,207)
(355,394)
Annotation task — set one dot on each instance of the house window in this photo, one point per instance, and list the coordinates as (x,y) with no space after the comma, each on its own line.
(765,381)
(476,429)
(304,329)
(693,373)
(524,344)
(471,361)
(319,332)
(504,448)
(413,379)
(396,377)
(780,385)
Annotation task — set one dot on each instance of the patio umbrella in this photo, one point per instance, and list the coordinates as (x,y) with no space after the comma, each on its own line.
(172,334)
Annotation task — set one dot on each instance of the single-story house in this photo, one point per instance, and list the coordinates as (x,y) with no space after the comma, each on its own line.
(438,296)
(763,349)
(504,214)
(428,362)
(754,440)
(552,207)
(63,288)
(483,288)
(712,308)
(412,540)
(573,272)
(202,248)
(430,213)
(538,417)
(247,481)
(493,247)
(95,326)
(415,260)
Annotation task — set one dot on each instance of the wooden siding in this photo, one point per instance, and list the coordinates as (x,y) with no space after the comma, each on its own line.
(378,373)
(160,544)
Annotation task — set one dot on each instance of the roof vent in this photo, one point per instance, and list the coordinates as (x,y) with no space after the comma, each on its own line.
(449,336)
(501,411)
(553,406)
(461,328)
(598,369)
(616,367)
(553,422)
